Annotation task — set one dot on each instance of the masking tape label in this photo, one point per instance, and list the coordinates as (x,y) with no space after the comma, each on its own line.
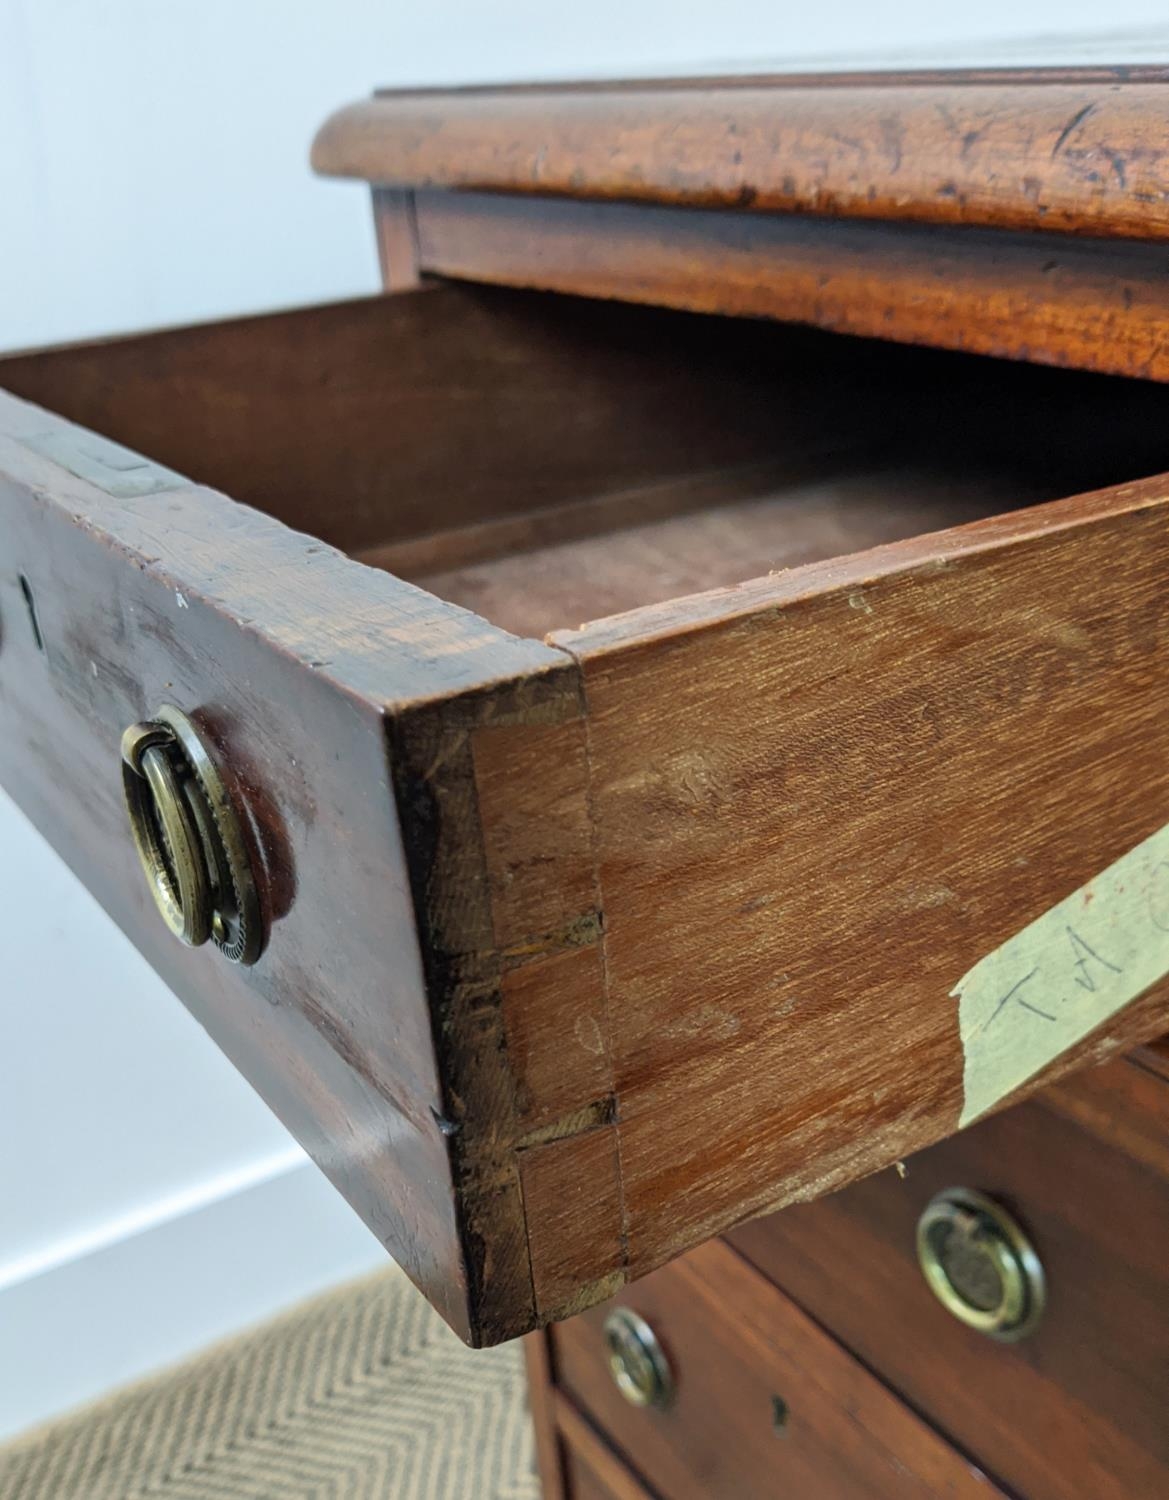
(1060,978)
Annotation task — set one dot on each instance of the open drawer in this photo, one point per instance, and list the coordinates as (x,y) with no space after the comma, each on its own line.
(575,944)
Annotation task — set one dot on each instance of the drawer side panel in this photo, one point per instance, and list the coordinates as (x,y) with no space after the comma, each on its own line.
(820,799)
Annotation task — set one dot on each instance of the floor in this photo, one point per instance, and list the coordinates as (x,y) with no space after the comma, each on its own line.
(360,1394)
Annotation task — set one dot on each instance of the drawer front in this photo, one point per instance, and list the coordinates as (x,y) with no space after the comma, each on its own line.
(125,588)
(590,1471)
(586,1484)
(1076,1407)
(918,284)
(761,1402)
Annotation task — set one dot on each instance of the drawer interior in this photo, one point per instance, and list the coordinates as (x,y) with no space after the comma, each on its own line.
(546,584)
(547,460)
(881,443)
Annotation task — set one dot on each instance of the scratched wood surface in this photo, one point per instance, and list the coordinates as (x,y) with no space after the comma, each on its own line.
(1019,215)
(1081,155)
(493,798)
(529,829)
(818,799)
(316,681)
(449,776)
(735,1344)
(537,911)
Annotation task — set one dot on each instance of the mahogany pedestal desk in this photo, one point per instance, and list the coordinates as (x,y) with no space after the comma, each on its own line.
(655,730)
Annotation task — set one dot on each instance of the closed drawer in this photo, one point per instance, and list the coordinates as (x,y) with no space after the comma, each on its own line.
(590,1470)
(566,954)
(760,1401)
(584,1482)
(1076,1407)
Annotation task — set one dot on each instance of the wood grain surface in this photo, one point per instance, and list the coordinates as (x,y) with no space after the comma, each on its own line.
(562,583)
(735,1344)
(1125,1104)
(818,799)
(591,1469)
(306,672)
(1078,156)
(1075,1409)
(1090,303)
(580,952)
(541,1400)
(386,418)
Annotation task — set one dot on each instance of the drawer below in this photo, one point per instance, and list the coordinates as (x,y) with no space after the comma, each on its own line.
(590,1470)
(762,1401)
(1077,1407)
(573,950)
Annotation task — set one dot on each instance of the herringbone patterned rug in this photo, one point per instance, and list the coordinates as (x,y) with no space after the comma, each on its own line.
(362,1394)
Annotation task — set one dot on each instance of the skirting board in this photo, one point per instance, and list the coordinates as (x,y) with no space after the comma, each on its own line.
(120,1308)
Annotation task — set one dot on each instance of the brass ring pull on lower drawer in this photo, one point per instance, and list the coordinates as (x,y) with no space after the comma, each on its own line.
(979,1263)
(637,1362)
(188,837)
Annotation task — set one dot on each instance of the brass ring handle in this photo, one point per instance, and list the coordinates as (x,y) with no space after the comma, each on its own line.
(188,838)
(637,1361)
(165,834)
(980,1264)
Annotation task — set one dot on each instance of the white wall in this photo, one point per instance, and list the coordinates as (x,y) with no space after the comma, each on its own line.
(149,1202)
(153,170)
(152,154)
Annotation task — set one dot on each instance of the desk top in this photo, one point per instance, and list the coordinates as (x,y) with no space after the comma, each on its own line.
(1059,150)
